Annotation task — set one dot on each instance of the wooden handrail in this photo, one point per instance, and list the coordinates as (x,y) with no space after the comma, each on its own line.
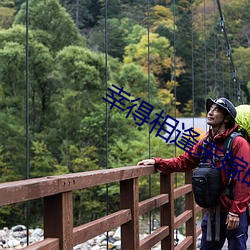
(58,208)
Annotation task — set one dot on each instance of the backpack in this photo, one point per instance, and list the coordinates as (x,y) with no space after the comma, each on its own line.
(206,183)
(207,187)
(243,120)
(206,178)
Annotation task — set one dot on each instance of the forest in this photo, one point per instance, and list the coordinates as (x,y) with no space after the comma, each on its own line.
(57,69)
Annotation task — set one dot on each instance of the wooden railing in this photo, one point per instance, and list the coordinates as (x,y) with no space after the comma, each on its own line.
(59,232)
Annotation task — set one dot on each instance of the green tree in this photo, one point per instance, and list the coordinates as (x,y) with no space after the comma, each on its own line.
(84,13)
(53,25)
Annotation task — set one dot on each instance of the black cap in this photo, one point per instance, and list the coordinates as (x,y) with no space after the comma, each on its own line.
(223,103)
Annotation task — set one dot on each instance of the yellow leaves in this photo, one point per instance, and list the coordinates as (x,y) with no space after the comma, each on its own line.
(6,17)
(188,107)
(203,114)
(166,96)
(161,16)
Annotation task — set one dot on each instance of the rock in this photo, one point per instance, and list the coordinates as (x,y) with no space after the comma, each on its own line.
(18,228)
(3,233)
(95,248)
(117,245)
(117,234)
(13,243)
(38,232)
(111,239)
(111,233)
(100,238)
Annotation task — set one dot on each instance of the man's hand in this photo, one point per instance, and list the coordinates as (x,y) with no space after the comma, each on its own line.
(232,221)
(146,162)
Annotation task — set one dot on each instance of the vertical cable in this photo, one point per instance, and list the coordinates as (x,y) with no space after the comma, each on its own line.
(106,81)
(222,69)
(174,76)
(192,25)
(77,13)
(215,53)
(205,51)
(174,61)
(27,207)
(229,83)
(175,90)
(149,149)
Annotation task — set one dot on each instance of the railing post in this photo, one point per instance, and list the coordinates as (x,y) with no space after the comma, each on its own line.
(129,198)
(167,210)
(190,205)
(58,219)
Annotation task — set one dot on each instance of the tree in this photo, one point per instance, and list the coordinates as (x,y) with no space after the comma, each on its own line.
(161,62)
(84,13)
(53,25)
(137,83)
(242,64)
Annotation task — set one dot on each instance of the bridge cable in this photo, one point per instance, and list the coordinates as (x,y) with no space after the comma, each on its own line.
(215,53)
(107,120)
(149,142)
(175,94)
(229,54)
(27,204)
(205,49)
(192,77)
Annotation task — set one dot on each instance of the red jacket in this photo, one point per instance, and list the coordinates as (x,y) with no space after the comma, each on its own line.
(188,162)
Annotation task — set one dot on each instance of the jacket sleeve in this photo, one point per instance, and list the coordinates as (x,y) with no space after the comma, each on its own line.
(185,162)
(241,170)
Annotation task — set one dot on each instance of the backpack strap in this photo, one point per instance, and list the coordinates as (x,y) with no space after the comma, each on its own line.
(227,147)
(204,146)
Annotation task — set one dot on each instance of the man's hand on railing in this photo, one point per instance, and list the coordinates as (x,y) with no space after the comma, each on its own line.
(146,162)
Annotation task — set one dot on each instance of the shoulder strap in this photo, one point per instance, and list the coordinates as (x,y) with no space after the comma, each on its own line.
(227,147)
(204,146)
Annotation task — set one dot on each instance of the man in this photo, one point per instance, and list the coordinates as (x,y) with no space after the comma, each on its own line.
(221,115)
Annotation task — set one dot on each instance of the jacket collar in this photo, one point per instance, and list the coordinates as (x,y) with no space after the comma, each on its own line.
(222,136)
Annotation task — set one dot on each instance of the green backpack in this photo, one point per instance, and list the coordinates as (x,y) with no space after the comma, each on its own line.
(243,120)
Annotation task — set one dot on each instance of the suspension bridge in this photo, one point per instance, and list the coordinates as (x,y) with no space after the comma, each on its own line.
(56,192)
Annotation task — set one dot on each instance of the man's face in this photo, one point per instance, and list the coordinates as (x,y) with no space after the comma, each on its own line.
(215,116)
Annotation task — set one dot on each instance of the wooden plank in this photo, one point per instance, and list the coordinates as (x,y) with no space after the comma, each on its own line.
(24,190)
(152,203)
(167,210)
(182,190)
(182,218)
(185,244)
(129,196)
(58,219)
(90,230)
(46,244)
(98,177)
(154,238)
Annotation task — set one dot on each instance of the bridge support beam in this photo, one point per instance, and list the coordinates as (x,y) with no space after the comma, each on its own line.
(129,198)
(58,219)
(167,210)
